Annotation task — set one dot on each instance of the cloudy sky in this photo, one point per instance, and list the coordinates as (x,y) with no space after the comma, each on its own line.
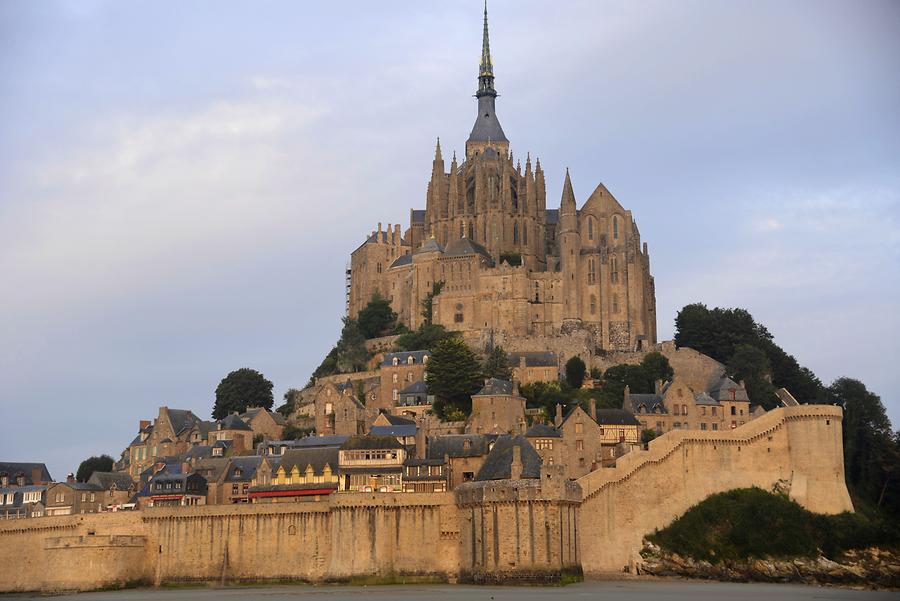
(181,184)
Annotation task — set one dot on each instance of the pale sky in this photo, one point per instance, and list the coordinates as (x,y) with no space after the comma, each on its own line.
(181,183)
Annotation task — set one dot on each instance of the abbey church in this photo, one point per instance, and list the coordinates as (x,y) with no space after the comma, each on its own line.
(509,264)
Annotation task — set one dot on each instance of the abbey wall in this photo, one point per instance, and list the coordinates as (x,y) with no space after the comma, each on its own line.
(505,530)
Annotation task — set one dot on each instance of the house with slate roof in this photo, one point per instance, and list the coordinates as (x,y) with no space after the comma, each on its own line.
(173,432)
(371,464)
(232,428)
(177,490)
(463,453)
(262,421)
(497,408)
(299,475)
(117,488)
(25,501)
(73,498)
(402,374)
(534,367)
(511,458)
(338,411)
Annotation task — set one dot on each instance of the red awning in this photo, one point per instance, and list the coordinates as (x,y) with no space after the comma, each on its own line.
(292,493)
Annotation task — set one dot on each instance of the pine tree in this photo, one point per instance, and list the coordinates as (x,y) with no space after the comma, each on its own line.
(454,375)
(497,365)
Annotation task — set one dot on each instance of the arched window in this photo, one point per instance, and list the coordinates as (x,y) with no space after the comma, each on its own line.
(409,360)
(590,228)
(524,233)
(471,230)
(615,307)
(613,269)
(615,227)
(395,378)
(396,361)
(462,229)
(593,304)
(444,235)
(516,232)
(592,272)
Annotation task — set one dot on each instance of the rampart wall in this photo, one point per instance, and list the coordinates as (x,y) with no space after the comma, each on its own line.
(511,530)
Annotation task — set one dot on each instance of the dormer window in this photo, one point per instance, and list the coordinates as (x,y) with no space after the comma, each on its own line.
(237,472)
(409,360)
(396,361)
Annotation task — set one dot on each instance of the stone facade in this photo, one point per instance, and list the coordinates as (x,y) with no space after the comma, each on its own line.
(502,530)
(509,264)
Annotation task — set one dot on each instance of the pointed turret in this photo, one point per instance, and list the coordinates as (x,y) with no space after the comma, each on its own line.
(569,250)
(487,131)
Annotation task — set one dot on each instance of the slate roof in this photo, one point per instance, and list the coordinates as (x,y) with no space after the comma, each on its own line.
(498,462)
(419,387)
(396,420)
(402,260)
(320,441)
(701,398)
(462,247)
(232,422)
(722,391)
(182,419)
(13,469)
(396,431)
(198,452)
(542,431)
(247,464)
(454,445)
(212,468)
(616,417)
(105,480)
(487,126)
(495,386)
(254,411)
(318,458)
(650,402)
(418,357)
(371,442)
(533,359)
(429,246)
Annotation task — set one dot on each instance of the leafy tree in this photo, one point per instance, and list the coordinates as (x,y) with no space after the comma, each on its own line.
(870,448)
(103,463)
(352,354)
(545,395)
(291,398)
(453,376)
(292,432)
(596,373)
(751,365)
(240,389)
(575,371)
(648,434)
(426,337)
(514,259)
(377,318)
(616,378)
(656,367)
(497,365)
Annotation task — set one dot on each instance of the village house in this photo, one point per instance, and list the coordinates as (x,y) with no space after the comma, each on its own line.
(465,454)
(173,432)
(547,441)
(117,488)
(232,428)
(497,408)
(371,464)
(510,458)
(269,424)
(534,367)
(73,498)
(403,429)
(399,371)
(338,411)
(238,477)
(297,475)
(177,490)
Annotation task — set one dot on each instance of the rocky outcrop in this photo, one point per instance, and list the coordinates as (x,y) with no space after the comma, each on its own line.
(871,568)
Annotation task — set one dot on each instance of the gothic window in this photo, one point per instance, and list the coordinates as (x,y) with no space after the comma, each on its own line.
(593,304)
(590,228)
(444,235)
(684,410)
(378,268)
(615,227)
(462,229)
(614,269)
(515,233)
(524,233)
(592,273)
(471,230)
(615,303)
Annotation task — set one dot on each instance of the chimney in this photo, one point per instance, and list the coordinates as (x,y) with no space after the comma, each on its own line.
(742,384)
(558,421)
(657,387)
(397,236)
(522,363)
(70,479)
(144,423)
(515,388)
(421,440)
(37,475)
(593,403)
(515,468)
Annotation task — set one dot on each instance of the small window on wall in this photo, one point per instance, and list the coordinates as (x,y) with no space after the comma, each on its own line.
(615,227)
(590,228)
(593,304)
(458,318)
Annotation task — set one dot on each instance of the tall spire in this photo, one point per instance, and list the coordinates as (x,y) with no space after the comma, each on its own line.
(486,69)
(487,131)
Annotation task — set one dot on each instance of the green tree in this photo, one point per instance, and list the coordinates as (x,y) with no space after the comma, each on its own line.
(648,434)
(870,448)
(545,395)
(497,365)
(292,432)
(426,337)
(240,389)
(291,399)
(656,367)
(352,354)
(102,463)
(453,376)
(751,365)
(575,372)
(377,318)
